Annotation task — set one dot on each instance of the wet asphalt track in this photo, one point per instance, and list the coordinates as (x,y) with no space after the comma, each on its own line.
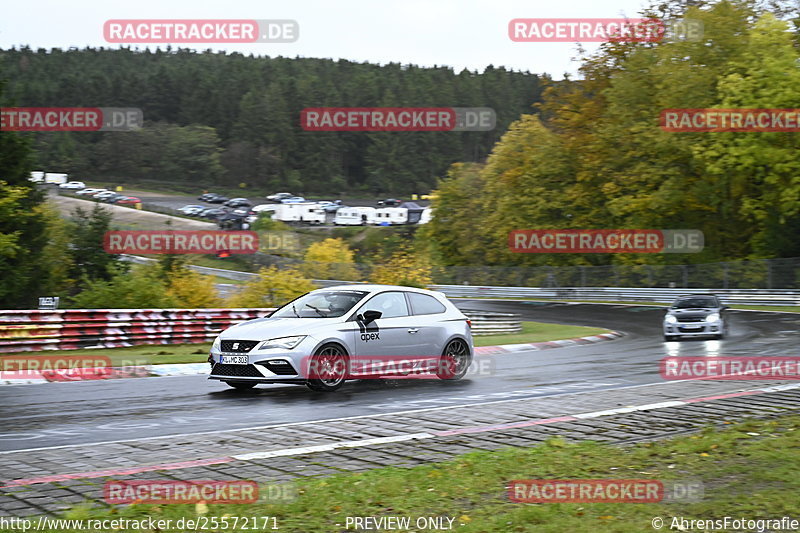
(34,416)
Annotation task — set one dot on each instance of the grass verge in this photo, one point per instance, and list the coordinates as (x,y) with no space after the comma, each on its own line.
(538,332)
(157,354)
(748,470)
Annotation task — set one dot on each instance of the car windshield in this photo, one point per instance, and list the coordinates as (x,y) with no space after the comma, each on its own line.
(694,303)
(324,304)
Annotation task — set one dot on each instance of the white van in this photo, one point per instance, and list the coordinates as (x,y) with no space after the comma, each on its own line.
(354,216)
(390,216)
(37,176)
(304,213)
(55,177)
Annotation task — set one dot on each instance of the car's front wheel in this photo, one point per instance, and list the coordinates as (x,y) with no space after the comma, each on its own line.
(328,368)
(455,360)
(241,385)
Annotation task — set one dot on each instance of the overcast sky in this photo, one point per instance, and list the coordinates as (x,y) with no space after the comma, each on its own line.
(458,33)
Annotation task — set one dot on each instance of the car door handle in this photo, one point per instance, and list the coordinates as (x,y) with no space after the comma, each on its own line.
(413,330)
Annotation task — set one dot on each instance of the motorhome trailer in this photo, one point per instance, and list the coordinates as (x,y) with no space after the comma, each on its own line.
(390,216)
(354,216)
(303,213)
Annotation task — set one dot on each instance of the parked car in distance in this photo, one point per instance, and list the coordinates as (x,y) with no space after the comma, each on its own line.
(239,202)
(187,209)
(89,191)
(128,200)
(264,207)
(293,200)
(277,197)
(330,207)
(112,198)
(214,213)
(390,202)
(217,199)
(72,185)
(205,196)
(103,194)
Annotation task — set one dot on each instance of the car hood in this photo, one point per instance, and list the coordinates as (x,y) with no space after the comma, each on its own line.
(692,312)
(272,328)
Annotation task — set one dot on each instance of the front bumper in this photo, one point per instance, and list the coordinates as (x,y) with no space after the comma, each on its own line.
(264,366)
(693,329)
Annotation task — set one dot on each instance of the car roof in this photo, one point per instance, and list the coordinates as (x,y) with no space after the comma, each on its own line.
(373,287)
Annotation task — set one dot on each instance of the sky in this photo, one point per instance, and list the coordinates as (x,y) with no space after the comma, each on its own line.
(461,34)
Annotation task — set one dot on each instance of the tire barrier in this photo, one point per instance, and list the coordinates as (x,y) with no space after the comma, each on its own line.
(72,329)
(491,323)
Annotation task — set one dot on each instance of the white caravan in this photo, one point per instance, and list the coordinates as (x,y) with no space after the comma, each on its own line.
(354,216)
(55,177)
(426,216)
(303,212)
(390,216)
(37,176)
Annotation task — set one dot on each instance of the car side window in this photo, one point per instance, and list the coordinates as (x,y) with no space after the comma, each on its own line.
(422,304)
(390,304)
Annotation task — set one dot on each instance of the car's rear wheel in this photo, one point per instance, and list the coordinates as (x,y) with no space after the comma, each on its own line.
(455,360)
(329,366)
(241,385)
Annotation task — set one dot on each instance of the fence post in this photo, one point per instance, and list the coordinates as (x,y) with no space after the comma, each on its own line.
(725,276)
(769,273)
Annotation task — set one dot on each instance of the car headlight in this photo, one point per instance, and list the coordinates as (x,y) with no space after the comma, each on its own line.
(217,346)
(713,317)
(286,343)
(670,319)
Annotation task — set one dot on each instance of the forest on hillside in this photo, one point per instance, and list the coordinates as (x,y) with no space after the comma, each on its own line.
(217,119)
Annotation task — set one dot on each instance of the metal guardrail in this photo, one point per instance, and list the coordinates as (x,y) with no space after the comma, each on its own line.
(490,323)
(665,295)
(622,294)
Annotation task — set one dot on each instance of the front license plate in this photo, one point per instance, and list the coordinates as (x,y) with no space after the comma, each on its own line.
(692,327)
(233,359)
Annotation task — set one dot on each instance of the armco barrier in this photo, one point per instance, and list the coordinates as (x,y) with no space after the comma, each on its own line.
(71,329)
(491,323)
(728,296)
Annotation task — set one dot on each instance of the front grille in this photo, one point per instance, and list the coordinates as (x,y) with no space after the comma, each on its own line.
(691,319)
(238,346)
(691,330)
(281,369)
(241,371)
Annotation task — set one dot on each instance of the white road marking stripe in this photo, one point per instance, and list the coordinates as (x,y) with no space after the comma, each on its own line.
(358,417)
(328,447)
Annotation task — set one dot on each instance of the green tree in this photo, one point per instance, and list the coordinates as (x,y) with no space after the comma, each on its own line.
(272,288)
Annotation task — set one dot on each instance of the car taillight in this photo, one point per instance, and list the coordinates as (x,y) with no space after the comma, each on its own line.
(469,322)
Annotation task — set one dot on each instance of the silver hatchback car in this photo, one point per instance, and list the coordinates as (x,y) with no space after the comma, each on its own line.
(328,336)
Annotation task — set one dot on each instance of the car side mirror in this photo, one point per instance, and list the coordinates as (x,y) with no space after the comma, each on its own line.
(370,316)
